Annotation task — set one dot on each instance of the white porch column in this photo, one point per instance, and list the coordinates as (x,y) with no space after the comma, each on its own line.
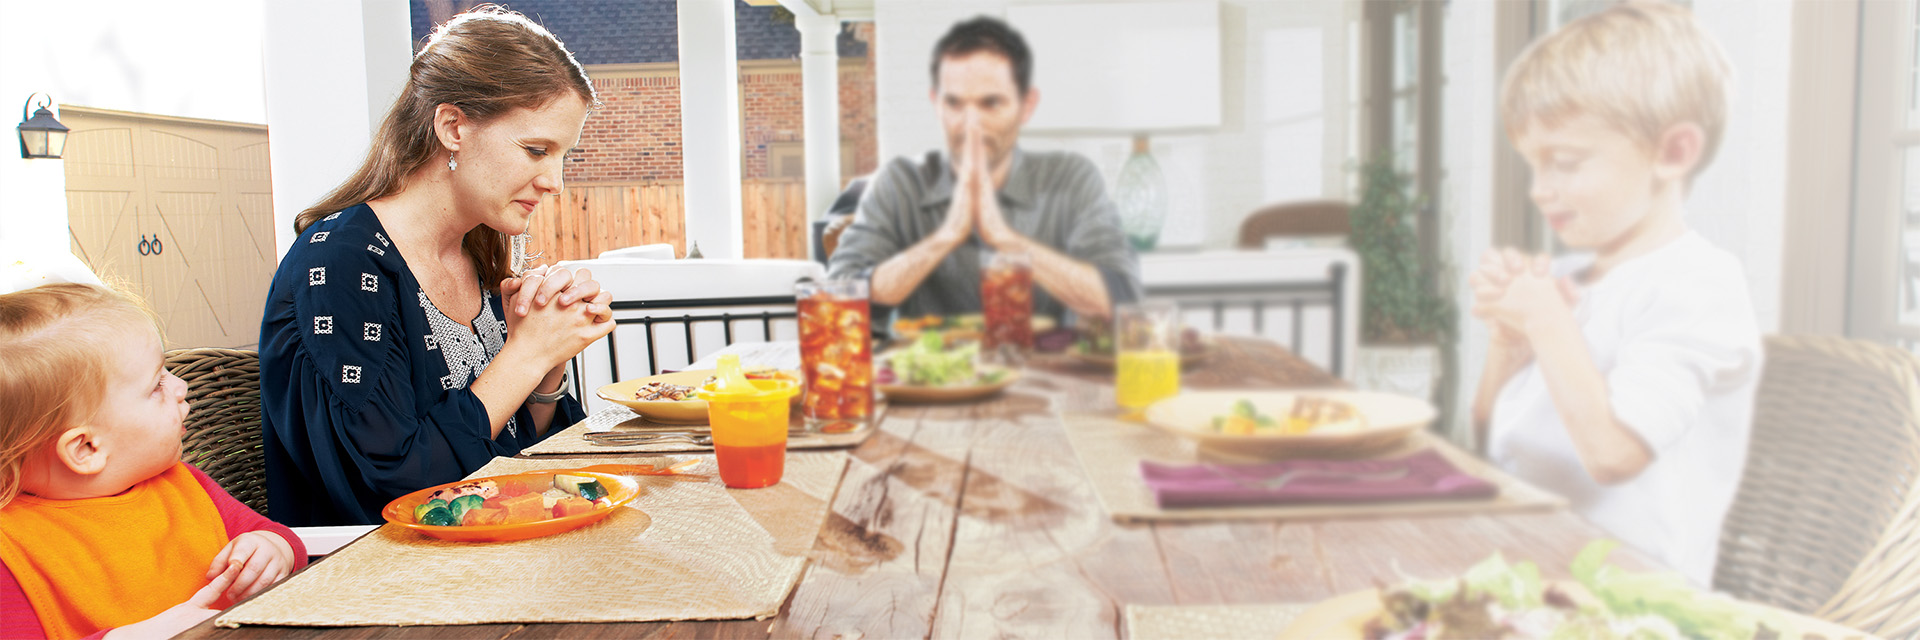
(333,68)
(710,127)
(820,98)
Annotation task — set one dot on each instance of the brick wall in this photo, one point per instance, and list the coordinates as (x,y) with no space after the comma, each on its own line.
(858,124)
(771,106)
(635,136)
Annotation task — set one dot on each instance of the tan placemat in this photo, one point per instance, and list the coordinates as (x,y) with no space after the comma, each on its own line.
(572,440)
(1111,450)
(690,549)
(1224,622)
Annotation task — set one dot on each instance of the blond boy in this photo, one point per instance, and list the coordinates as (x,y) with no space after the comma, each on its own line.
(1623,380)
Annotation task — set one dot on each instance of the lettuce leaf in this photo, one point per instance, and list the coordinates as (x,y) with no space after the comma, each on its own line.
(1667,595)
(1516,585)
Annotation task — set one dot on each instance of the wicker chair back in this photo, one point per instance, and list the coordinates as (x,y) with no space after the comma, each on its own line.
(1827,519)
(223,427)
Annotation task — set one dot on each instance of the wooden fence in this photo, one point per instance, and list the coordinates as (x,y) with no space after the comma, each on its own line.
(590,218)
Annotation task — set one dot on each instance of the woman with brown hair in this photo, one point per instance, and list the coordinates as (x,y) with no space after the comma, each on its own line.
(388,363)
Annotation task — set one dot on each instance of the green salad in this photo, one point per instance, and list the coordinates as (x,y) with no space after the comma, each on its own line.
(928,362)
(1496,598)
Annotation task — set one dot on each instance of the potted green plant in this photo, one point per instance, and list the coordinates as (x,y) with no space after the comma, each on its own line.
(1405,323)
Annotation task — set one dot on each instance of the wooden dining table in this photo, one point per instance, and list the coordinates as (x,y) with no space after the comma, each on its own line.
(972,520)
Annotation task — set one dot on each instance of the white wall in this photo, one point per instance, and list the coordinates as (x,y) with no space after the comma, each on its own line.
(1287,112)
(333,69)
(1739,202)
(1470,118)
(194,58)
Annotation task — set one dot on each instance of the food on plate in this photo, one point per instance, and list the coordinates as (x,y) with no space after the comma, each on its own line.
(956,328)
(928,362)
(1309,413)
(657,391)
(1497,599)
(512,500)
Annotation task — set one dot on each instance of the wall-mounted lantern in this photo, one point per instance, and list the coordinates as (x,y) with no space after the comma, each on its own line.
(41,136)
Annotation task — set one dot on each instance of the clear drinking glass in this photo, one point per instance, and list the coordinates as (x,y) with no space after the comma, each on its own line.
(1006,299)
(836,354)
(1147,349)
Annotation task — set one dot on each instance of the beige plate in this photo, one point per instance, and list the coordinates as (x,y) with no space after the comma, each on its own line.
(1337,618)
(1385,421)
(910,394)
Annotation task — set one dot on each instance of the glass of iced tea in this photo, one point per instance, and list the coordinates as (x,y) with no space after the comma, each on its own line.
(1006,299)
(1147,348)
(836,354)
(749,428)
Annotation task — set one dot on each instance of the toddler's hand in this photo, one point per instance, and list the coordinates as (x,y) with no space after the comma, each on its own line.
(180,617)
(255,560)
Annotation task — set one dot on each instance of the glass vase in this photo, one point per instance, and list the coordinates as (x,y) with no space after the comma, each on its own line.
(1141,196)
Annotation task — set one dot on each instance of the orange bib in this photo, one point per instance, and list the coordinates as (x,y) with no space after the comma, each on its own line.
(96,563)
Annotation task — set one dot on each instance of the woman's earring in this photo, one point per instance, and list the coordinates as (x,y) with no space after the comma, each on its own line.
(452,165)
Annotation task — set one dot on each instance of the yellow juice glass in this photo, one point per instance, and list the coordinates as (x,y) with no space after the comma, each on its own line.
(1145,377)
(1146,340)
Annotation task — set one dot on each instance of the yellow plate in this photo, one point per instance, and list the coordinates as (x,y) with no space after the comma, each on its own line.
(1385,421)
(689,411)
(904,393)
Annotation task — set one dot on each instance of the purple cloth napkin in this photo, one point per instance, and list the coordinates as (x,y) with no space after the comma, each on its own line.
(1425,475)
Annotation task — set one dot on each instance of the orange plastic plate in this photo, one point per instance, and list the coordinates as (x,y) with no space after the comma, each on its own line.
(620,491)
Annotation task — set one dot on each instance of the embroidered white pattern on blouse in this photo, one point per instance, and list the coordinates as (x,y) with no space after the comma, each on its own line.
(467,353)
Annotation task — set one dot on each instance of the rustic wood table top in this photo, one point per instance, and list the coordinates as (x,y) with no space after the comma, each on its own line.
(977,520)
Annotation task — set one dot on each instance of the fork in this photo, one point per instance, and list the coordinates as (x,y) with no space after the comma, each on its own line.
(621,439)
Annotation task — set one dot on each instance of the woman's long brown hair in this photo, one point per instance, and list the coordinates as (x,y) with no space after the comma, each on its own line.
(487,61)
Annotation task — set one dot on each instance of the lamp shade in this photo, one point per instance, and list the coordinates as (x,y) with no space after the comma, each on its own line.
(42,136)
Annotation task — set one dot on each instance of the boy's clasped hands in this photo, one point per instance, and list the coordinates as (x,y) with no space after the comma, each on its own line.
(1512,291)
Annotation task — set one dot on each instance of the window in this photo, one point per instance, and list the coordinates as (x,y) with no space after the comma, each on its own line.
(1885,300)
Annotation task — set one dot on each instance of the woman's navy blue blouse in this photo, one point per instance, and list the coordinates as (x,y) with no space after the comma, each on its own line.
(366,385)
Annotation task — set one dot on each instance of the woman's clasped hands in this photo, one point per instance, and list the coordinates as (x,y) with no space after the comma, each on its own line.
(562,309)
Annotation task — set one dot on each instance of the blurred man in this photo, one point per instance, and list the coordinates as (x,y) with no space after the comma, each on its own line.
(922,229)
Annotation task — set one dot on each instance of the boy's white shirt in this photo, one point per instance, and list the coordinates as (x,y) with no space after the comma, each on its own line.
(1673,332)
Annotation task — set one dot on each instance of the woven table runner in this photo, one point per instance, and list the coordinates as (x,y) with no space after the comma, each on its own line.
(613,417)
(1224,622)
(688,549)
(1111,450)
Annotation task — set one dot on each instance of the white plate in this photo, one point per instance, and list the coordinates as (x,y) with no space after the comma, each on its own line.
(1385,421)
